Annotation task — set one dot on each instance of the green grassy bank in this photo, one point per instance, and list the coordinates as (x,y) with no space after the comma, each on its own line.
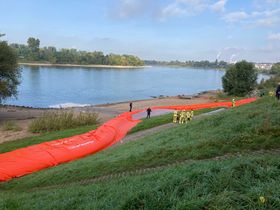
(236,183)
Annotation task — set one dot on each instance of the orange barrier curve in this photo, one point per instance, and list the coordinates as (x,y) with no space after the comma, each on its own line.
(27,160)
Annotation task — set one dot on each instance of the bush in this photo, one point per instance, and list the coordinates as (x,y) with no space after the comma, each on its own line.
(240,79)
(275,69)
(11,126)
(269,84)
(53,121)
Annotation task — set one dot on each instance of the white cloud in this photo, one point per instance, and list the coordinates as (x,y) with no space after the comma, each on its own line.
(267,16)
(129,8)
(181,8)
(274,37)
(235,16)
(219,6)
(171,10)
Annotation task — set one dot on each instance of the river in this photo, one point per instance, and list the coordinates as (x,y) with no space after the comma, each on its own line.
(73,86)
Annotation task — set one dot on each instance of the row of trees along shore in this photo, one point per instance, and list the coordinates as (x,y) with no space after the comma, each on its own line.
(33,53)
(195,64)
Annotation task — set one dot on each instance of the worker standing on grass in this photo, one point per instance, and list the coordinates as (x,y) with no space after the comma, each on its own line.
(175,117)
(233,103)
(178,116)
(188,117)
(192,114)
(149,113)
(130,106)
(182,117)
(277,92)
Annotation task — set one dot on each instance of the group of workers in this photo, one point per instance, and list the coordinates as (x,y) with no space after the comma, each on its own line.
(182,116)
(272,93)
(186,116)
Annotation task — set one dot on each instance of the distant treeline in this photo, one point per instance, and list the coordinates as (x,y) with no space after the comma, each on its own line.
(33,53)
(196,64)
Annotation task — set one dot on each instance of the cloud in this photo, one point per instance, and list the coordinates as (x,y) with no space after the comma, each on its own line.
(219,6)
(235,16)
(274,37)
(129,8)
(180,8)
(172,10)
(266,16)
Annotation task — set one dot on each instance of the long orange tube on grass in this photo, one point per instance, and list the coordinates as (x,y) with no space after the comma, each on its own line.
(30,159)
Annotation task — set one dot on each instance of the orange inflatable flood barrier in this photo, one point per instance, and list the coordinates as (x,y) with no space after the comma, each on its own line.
(37,157)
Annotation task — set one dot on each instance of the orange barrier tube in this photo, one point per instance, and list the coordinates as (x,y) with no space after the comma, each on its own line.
(207,105)
(37,157)
(34,158)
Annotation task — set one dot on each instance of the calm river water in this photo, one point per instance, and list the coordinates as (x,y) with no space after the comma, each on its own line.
(66,86)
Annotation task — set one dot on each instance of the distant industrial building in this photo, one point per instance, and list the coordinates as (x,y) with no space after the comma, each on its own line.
(263,66)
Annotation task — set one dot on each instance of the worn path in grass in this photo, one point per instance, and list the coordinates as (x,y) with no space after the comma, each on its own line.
(148,132)
(146,170)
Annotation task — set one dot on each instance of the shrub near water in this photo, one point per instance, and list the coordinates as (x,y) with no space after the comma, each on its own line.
(11,126)
(53,121)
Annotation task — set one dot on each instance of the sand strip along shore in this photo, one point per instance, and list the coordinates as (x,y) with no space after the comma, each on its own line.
(83,66)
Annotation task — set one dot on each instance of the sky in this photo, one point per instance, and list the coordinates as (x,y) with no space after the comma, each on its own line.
(228,30)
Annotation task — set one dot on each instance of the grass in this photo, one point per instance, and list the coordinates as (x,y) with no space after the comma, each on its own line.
(12,145)
(231,184)
(55,121)
(240,129)
(161,120)
(11,126)
(237,183)
(225,97)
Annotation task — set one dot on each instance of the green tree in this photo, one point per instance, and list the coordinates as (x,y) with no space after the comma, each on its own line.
(275,69)
(34,48)
(240,79)
(9,71)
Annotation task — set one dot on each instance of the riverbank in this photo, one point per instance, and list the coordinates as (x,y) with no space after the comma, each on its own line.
(22,116)
(82,66)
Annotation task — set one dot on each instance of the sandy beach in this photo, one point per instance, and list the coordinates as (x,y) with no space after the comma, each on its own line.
(23,116)
(84,66)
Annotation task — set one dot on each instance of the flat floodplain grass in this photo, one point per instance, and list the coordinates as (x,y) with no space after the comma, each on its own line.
(250,127)
(235,183)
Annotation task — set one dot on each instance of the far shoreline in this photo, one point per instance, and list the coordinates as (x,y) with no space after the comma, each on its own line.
(83,66)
